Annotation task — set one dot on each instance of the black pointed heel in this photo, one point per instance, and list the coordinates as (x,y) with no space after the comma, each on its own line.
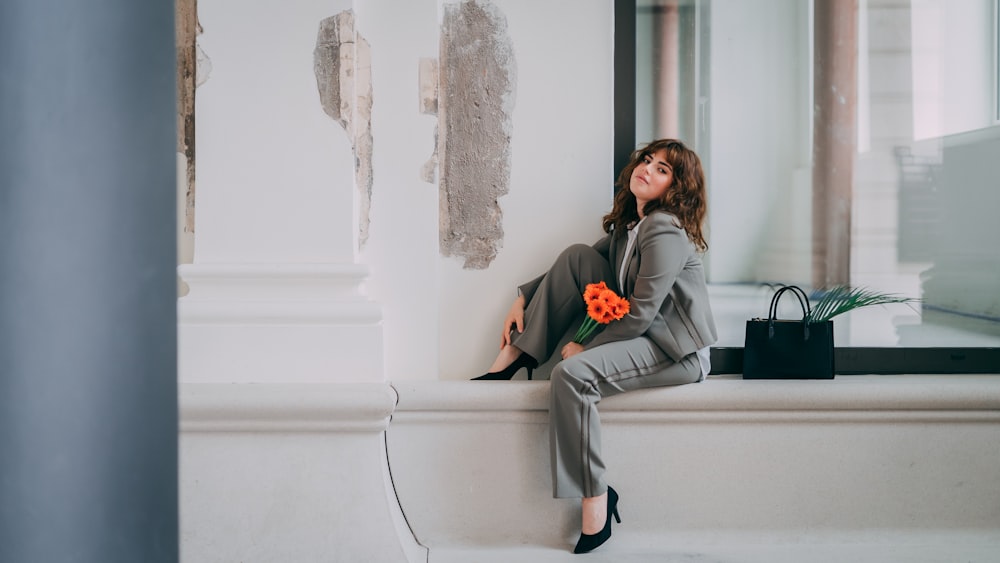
(590,542)
(522,361)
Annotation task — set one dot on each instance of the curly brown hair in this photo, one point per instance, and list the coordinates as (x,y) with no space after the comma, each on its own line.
(685,199)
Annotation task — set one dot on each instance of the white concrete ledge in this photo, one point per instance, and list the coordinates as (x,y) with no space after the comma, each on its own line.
(289,472)
(916,397)
(862,468)
(883,467)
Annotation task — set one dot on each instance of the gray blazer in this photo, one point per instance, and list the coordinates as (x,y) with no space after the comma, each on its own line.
(665,283)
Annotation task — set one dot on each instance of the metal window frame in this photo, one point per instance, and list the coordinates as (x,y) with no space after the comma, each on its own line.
(996,62)
(885,361)
(847,360)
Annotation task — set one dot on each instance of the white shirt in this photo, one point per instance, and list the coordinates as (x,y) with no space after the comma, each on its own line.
(705,359)
(704,354)
(633,232)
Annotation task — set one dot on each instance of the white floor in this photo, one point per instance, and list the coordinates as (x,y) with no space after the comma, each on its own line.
(899,325)
(915,547)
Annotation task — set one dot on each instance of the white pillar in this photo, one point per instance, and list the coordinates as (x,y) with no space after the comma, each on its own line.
(284,399)
(275,292)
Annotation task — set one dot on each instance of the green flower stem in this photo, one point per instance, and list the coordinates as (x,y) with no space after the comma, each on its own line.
(585,330)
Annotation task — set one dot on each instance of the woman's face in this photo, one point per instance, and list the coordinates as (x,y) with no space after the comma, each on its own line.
(651,178)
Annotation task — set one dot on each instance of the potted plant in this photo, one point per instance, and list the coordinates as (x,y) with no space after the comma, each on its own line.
(842,299)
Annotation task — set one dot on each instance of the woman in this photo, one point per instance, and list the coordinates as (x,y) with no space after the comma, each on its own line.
(652,256)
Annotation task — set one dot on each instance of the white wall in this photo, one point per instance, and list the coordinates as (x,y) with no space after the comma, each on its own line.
(269,159)
(275,173)
(759,124)
(402,249)
(561,170)
(441,320)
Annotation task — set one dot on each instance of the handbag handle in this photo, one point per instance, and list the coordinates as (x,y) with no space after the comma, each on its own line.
(772,312)
(799,294)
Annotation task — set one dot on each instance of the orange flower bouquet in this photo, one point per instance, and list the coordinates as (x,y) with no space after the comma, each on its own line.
(603,306)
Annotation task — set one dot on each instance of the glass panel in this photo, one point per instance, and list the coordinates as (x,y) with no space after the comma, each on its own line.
(735,80)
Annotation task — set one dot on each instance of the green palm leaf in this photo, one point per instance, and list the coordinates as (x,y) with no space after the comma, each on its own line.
(842,298)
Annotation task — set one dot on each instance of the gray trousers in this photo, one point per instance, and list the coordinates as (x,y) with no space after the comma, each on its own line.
(579,383)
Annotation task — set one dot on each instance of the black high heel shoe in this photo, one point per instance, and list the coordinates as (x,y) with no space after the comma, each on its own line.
(590,542)
(522,361)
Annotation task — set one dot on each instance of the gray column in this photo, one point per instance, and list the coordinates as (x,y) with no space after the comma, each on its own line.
(835,133)
(88,393)
(666,61)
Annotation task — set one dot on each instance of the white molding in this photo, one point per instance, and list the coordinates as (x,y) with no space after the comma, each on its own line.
(724,400)
(343,407)
(278,294)
(692,417)
(350,273)
(278,312)
(272,322)
(846,396)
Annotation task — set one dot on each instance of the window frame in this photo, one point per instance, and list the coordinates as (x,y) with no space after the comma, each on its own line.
(996,62)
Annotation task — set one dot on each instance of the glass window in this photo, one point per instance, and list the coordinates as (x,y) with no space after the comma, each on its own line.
(909,87)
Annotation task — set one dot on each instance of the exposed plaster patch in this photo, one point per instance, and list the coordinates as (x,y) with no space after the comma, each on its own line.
(478,78)
(342,64)
(335,51)
(428,86)
(204,64)
(363,134)
(188,74)
(428,172)
(429,106)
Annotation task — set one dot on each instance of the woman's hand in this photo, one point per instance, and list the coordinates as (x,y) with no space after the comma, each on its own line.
(515,318)
(571,349)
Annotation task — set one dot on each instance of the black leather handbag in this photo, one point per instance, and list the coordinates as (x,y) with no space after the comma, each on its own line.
(788,349)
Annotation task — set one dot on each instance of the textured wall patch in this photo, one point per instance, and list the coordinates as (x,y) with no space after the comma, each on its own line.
(188,54)
(477,84)
(429,80)
(342,65)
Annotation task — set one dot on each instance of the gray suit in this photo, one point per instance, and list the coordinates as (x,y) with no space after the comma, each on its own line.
(654,345)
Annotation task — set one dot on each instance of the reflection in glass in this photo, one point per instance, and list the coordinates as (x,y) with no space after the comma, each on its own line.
(918,215)
(665,85)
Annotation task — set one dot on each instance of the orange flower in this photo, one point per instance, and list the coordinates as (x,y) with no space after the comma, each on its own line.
(608,296)
(603,306)
(592,291)
(620,308)
(597,310)
(608,317)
